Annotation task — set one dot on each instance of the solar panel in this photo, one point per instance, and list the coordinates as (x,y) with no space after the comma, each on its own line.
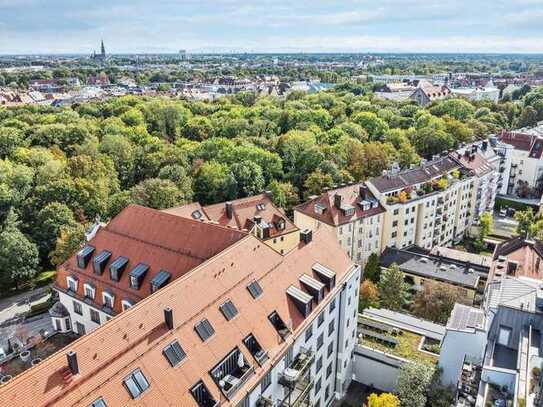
(255,289)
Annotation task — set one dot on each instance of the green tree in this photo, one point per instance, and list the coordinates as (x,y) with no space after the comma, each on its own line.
(249,178)
(528,117)
(413,382)
(50,221)
(372,271)
(157,193)
(526,219)
(374,125)
(19,257)
(69,241)
(285,195)
(315,183)
(393,290)
(486,223)
(458,109)
(369,296)
(383,400)
(436,302)
(214,182)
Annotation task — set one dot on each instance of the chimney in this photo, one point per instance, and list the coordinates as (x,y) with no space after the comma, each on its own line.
(257,219)
(306,236)
(337,201)
(72,362)
(229,209)
(363,191)
(168,317)
(268,194)
(325,189)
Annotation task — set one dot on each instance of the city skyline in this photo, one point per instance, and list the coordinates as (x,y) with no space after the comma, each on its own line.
(36,26)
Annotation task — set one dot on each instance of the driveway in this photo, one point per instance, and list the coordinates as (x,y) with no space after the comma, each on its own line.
(16,306)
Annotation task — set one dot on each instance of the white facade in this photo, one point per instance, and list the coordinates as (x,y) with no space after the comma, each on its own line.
(330,338)
(84,317)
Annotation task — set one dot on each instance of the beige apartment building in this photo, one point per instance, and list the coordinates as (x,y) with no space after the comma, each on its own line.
(353,214)
(425,206)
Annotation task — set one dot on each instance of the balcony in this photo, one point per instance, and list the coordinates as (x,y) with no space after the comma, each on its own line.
(298,381)
(231,373)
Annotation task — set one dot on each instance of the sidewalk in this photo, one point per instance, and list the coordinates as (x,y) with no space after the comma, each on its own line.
(17,305)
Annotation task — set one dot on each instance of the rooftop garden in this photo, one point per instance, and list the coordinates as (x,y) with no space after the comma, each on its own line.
(404,344)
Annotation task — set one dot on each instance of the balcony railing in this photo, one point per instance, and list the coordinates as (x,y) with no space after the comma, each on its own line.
(299,394)
(297,368)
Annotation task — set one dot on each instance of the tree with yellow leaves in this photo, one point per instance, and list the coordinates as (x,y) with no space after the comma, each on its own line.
(383,400)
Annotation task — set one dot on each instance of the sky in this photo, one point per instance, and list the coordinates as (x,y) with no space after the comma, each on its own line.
(143,26)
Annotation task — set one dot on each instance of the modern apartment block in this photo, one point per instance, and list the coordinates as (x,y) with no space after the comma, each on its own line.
(138,252)
(491,354)
(427,206)
(245,327)
(352,213)
(255,214)
(523,149)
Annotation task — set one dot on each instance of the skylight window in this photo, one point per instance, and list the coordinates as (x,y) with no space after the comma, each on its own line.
(174,353)
(255,289)
(229,310)
(260,206)
(98,403)
(196,214)
(204,330)
(136,383)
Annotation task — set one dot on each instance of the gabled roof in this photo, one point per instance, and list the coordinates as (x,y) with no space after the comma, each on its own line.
(244,211)
(475,162)
(518,140)
(526,253)
(158,239)
(414,176)
(136,338)
(350,195)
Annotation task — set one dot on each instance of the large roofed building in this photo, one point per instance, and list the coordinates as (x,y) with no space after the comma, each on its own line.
(138,252)
(254,214)
(246,326)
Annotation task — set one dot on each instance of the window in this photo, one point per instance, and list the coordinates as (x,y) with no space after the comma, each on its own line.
(137,275)
(320,341)
(318,385)
(329,369)
(98,403)
(327,392)
(204,330)
(109,299)
(278,324)
(331,327)
(330,348)
(136,383)
(504,335)
(77,308)
(321,319)
(89,291)
(127,303)
(95,316)
(254,347)
(309,333)
(255,289)
(319,364)
(229,310)
(332,305)
(202,395)
(394,223)
(265,382)
(396,211)
(71,282)
(174,353)
(394,234)
(100,261)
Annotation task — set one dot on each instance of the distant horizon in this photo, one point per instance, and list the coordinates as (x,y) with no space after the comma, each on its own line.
(271,26)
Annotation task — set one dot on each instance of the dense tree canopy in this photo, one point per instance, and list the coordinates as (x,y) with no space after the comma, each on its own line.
(62,167)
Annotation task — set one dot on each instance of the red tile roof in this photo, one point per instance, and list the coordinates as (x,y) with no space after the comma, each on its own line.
(243,212)
(475,162)
(520,141)
(334,216)
(160,240)
(136,338)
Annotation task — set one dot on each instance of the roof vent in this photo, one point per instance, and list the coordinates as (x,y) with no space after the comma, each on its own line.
(229,210)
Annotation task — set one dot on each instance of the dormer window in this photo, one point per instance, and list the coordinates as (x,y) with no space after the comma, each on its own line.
(202,395)
(137,274)
(90,291)
(319,209)
(160,280)
(117,267)
(100,261)
(278,324)
(127,303)
(71,282)
(109,299)
(84,255)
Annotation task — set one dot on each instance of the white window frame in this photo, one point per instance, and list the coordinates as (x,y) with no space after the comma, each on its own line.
(90,287)
(110,296)
(125,304)
(72,280)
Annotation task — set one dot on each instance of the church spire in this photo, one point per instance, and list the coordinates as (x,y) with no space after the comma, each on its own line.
(103,50)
